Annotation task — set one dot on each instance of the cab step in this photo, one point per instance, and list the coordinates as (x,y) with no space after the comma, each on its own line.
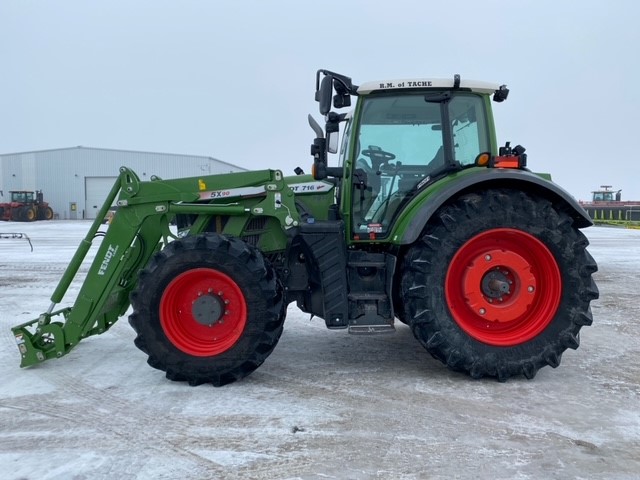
(371,329)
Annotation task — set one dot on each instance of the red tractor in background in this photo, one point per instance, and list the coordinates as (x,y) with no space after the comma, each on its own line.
(26,207)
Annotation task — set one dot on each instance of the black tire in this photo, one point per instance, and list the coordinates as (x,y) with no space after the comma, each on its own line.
(29,214)
(537,303)
(398,300)
(18,214)
(45,213)
(204,276)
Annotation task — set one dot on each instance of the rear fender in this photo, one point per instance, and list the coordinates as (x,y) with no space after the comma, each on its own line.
(413,219)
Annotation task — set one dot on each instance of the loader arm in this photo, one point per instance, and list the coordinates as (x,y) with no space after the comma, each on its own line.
(140,228)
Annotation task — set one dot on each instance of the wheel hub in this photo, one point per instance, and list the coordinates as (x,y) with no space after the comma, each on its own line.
(497,283)
(208,309)
(493,289)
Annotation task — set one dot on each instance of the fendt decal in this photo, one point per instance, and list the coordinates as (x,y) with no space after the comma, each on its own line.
(111,251)
(231,192)
(310,187)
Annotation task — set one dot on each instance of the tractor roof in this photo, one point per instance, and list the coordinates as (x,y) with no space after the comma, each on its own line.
(421,83)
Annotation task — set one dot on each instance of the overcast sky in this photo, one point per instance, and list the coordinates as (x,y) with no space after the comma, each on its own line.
(235,79)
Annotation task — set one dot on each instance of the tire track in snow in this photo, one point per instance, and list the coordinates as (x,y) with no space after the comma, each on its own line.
(134,425)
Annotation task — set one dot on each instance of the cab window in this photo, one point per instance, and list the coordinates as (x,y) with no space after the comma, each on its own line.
(400,143)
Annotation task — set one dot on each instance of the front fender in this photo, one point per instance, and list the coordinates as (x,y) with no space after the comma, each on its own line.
(412,220)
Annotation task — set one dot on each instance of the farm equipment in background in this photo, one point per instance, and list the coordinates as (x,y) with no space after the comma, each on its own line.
(607,208)
(26,206)
(16,236)
(424,220)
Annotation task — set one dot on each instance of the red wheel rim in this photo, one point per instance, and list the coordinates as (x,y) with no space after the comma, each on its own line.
(203,312)
(503,287)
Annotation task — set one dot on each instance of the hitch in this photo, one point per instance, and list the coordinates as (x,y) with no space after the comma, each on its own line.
(47,341)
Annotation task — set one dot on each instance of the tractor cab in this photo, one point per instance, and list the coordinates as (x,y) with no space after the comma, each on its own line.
(402,142)
(402,136)
(606,194)
(22,197)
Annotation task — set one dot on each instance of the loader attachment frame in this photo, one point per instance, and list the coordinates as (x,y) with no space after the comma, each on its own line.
(139,228)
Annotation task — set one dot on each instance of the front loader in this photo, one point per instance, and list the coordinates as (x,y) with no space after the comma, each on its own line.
(424,220)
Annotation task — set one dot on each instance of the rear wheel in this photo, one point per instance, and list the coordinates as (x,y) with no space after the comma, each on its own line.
(18,214)
(208,309)
(45,213)
(499,285)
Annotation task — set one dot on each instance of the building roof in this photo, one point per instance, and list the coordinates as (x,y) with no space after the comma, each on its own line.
(124,151)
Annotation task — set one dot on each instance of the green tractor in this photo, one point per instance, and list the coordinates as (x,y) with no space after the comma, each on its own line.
(424,220)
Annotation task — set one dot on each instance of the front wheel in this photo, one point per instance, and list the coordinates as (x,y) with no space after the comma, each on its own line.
(499,285)
(207,309)
(30,214)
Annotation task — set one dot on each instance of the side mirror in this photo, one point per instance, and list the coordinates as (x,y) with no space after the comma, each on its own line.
(344,88)
(332,128)
(332,142)
(324,94)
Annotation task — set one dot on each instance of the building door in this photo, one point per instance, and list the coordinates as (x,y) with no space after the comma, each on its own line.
(95,193)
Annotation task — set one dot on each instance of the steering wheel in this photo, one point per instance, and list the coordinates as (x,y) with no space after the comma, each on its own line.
(377,155)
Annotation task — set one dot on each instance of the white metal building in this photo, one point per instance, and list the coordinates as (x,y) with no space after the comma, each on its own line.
(75,181)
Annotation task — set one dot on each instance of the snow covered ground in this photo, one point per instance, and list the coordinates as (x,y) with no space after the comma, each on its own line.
(324,405)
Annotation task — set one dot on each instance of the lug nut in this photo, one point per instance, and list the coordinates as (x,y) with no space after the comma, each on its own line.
(482,311)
